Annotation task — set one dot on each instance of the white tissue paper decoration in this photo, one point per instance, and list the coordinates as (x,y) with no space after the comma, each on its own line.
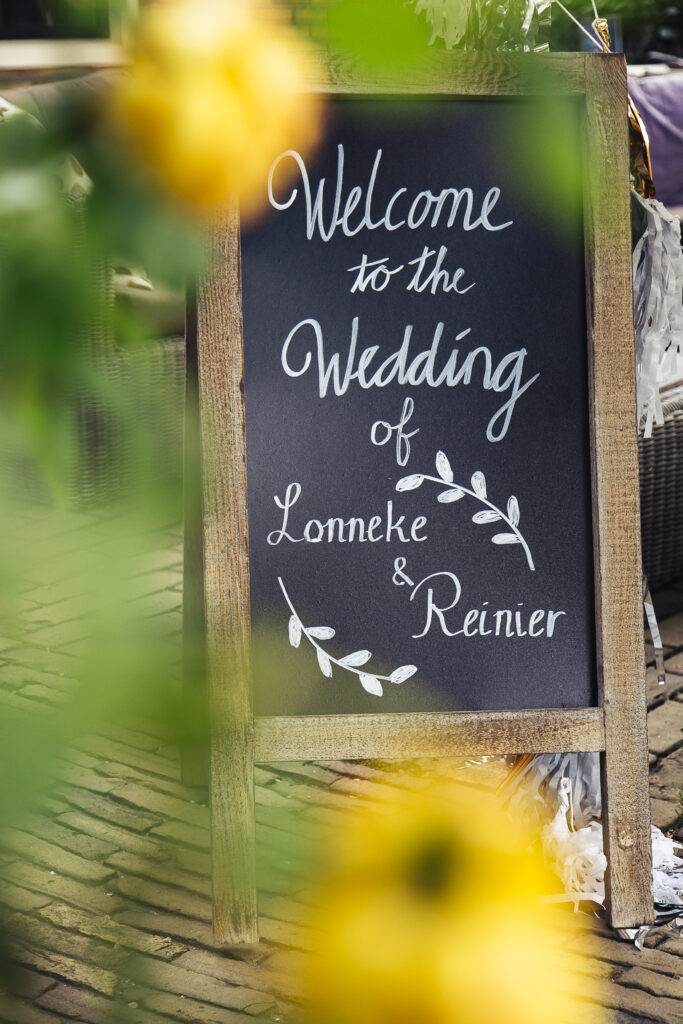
(572,839)
(539,785)
(657,306)
(575,854)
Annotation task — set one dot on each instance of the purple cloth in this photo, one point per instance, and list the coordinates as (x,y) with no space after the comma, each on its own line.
(659,99)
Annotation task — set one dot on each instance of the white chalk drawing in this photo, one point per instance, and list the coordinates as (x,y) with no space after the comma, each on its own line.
(454,492)
(371,682)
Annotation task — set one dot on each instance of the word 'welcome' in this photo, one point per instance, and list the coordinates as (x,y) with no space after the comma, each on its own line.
(425,208)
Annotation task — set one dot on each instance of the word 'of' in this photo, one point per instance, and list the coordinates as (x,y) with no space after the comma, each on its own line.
(381,432)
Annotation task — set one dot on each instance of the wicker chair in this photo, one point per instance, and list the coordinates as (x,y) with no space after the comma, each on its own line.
(103,459)
(661,493)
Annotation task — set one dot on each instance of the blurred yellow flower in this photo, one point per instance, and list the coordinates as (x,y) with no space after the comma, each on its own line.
(214,93)
(433,915)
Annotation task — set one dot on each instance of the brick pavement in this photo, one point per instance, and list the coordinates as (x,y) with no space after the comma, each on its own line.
(105,886)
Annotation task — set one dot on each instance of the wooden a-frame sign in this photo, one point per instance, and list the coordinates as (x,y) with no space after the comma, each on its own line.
(615,726)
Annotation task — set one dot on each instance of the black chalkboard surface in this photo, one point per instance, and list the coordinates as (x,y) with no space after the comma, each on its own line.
(416,398)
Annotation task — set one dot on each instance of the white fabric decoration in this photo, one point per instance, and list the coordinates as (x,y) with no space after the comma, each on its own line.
(576,855)
(539,787)
(657,306)
(572,838)
(667,886)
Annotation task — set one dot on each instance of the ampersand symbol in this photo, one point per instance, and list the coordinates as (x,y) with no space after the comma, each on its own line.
(400,578)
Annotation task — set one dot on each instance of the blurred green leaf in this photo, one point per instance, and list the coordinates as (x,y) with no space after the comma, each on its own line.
(515,25)
(383,35)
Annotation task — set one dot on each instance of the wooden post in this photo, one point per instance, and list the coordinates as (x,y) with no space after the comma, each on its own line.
(195,747)
(226,575)
(616,506)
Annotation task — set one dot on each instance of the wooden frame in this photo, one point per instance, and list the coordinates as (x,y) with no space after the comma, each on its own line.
(616,728)
(42,54)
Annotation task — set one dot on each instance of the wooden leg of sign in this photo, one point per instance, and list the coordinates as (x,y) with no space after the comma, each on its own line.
(226,589)
(233,837)
(616,513)
(232,732)
(195,736)
(626,824)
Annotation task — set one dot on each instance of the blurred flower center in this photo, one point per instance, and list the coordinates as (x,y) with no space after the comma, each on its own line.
(432,871)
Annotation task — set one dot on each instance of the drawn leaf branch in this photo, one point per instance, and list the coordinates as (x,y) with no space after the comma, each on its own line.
(355,659)
(399,675)
(443,468)
(324,662)
(486,517)
(294,631)
(371,682)
(455,494)
(410,483)
(477,490)
(479,484)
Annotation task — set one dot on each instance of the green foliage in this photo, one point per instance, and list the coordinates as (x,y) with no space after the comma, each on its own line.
(384,35)
(391,35)
(61,396)
(54,244)
(516,25)
(64,405)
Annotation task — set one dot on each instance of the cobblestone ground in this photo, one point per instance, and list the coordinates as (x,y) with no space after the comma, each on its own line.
(106,889)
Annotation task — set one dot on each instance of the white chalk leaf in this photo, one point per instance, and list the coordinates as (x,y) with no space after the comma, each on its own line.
(321,632)
(443,468)
(454,494)
(489,516)
(371,684)
(506,538)
(513,510)
(479,484)
(409,483)
(356,658)
(399,675)
(325,663)
(294,631)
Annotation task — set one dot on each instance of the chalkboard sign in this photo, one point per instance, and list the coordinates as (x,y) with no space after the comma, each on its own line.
(418,452)
(421,529)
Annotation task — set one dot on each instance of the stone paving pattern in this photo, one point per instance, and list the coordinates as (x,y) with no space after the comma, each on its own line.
(106,888)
